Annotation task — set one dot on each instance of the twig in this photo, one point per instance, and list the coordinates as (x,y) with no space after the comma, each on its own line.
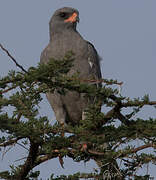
(14,60)
(6,151)
(139,103)
(20,159)
(101,81)
(96,153)
(22,146)
(96,81)
(135,150)
(7,90)
(10,142)
(143,147)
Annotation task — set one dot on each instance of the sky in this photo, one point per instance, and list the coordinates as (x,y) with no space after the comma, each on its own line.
(122,31)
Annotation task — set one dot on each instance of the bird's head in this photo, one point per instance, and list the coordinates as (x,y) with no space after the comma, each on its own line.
(64,18)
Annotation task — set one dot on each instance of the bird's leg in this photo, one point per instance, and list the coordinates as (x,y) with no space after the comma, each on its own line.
(84,145)
(83,115)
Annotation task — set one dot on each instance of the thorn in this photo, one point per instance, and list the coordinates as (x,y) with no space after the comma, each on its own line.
(61,161)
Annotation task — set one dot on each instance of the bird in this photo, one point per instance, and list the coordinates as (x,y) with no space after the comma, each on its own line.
(64,37)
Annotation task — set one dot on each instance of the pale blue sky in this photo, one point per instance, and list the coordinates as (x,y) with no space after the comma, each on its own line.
(123,32)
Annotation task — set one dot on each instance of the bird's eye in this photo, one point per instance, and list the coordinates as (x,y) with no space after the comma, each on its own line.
(63,14)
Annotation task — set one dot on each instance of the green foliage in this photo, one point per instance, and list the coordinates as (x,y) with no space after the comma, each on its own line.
(97,137)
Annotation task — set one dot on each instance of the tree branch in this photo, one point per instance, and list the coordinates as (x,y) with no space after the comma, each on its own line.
(7,90)
(139,103)
(13,59)
(10,142)
(29,163)
(135,150)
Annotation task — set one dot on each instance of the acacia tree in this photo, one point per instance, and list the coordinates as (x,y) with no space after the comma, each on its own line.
(112,145)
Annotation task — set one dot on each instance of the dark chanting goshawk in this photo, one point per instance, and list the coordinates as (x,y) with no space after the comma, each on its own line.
(64,37)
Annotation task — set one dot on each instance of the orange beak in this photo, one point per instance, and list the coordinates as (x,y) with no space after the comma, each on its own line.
(72,18)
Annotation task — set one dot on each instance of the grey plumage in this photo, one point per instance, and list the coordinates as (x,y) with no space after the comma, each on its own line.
(64,37)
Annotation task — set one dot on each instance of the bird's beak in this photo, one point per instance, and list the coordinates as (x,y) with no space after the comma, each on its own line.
(73,18)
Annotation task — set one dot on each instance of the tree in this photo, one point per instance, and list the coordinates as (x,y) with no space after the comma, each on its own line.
(99,137)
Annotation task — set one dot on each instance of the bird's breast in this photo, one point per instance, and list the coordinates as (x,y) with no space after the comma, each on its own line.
(68,42)
(62,44)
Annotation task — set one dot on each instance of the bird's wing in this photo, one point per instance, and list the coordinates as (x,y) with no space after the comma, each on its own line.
(94,61)
(54,98)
